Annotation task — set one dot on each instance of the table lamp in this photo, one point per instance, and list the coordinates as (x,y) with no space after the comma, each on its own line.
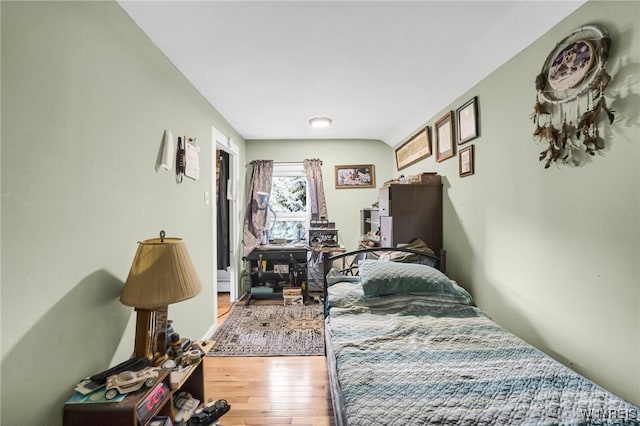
(162,273)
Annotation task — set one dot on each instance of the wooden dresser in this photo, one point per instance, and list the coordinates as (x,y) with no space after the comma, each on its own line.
(410,211)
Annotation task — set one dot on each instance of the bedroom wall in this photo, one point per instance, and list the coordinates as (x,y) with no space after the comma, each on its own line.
(343,205)
(553,254)
(85,99)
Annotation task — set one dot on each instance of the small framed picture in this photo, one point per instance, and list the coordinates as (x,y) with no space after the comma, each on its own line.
(414,150)
(467,121)
(445,147)
(466,161)
(355,176)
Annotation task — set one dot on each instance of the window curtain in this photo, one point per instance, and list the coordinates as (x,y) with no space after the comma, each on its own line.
(317,202)
(255,219)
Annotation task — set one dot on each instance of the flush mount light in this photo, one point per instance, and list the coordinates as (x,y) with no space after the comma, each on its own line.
(319,122)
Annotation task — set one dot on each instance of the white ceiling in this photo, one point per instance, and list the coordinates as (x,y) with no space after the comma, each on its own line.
(379,69)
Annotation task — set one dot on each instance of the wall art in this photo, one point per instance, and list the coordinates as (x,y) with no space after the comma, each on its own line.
(467,121)
(355,176)
(570,100)
(445,147)
(414,150)
(466,161)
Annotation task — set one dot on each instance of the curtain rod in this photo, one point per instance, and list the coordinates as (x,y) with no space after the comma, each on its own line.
(286,162)
(295,162)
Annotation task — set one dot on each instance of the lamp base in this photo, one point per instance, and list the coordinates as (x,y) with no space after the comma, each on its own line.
(151,333)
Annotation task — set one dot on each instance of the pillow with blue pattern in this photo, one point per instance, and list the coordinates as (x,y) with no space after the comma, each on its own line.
(382,278)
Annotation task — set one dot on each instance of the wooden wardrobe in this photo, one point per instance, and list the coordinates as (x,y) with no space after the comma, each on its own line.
(410,211)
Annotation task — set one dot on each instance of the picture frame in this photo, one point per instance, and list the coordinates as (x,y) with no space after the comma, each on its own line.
(466,161)
(444,132)
(467,121)
(355,176)
(414,149)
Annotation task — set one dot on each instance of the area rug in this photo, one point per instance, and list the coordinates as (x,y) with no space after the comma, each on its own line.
(270,330)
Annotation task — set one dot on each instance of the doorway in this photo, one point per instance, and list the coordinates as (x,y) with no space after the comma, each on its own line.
(225,216)
(222,221)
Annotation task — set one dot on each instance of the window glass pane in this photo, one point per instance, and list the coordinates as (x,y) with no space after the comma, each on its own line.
(289,229)
(288,216)
(289,194)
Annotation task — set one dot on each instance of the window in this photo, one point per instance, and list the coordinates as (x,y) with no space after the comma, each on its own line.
(288,215)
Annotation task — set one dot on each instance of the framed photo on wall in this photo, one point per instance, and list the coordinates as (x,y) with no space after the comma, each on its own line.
(445,146)
(355,176)
(415,149)
(466,161)
(467,121)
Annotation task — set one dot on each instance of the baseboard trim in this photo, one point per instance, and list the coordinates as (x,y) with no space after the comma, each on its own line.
(210,332)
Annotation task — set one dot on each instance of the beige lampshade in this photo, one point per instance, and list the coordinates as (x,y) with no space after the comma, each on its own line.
(161,274)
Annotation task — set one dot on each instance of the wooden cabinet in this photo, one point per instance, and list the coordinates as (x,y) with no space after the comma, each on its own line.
(138,408)
(411,211)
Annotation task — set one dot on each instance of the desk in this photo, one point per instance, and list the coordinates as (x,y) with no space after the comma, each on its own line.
(275,266)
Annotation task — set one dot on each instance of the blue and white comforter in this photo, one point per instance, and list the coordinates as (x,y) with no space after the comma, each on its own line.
(416,360)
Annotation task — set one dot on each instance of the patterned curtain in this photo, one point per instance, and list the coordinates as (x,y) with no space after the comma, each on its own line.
(255,219)
(317,202)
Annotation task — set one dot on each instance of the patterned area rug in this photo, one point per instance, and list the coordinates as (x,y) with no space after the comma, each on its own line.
(270,330)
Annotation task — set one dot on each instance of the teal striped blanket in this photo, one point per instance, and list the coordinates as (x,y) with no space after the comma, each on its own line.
(420,360)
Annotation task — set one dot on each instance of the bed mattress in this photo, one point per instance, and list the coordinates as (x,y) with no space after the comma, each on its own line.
(410,359)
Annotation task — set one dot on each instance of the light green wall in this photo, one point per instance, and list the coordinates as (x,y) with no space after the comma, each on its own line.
(344,204)
(85,99)
(553,255)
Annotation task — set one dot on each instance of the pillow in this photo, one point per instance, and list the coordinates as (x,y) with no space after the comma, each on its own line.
(345,294)
(381,278)
(334,276)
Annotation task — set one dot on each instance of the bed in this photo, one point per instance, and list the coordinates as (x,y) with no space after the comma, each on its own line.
(406,346)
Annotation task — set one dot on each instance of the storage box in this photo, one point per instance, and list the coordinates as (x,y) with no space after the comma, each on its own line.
(291,292)
(292,295)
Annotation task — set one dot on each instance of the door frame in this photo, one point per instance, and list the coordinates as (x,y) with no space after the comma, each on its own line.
(224,143)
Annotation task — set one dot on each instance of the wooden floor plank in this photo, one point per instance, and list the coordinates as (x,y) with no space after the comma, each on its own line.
(269,390)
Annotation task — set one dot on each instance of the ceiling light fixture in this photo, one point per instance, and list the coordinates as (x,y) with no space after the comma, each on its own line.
(320,122)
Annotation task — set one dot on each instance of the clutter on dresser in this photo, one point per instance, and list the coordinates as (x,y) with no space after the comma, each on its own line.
(185,405)
(146,396)
(210,413)
(424,178)
(175,349)
(130,381)
(98,380)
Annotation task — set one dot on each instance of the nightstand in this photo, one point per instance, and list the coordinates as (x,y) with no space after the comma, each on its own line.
(140,407)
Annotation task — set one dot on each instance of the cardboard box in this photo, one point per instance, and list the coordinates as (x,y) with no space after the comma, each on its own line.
(291,292)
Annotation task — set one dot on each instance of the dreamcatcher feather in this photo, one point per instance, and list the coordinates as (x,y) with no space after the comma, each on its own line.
(573,74)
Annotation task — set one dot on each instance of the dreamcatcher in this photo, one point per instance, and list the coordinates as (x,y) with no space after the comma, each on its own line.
(572,84)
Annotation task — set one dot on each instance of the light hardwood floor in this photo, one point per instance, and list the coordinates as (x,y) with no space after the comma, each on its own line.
(269,390)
